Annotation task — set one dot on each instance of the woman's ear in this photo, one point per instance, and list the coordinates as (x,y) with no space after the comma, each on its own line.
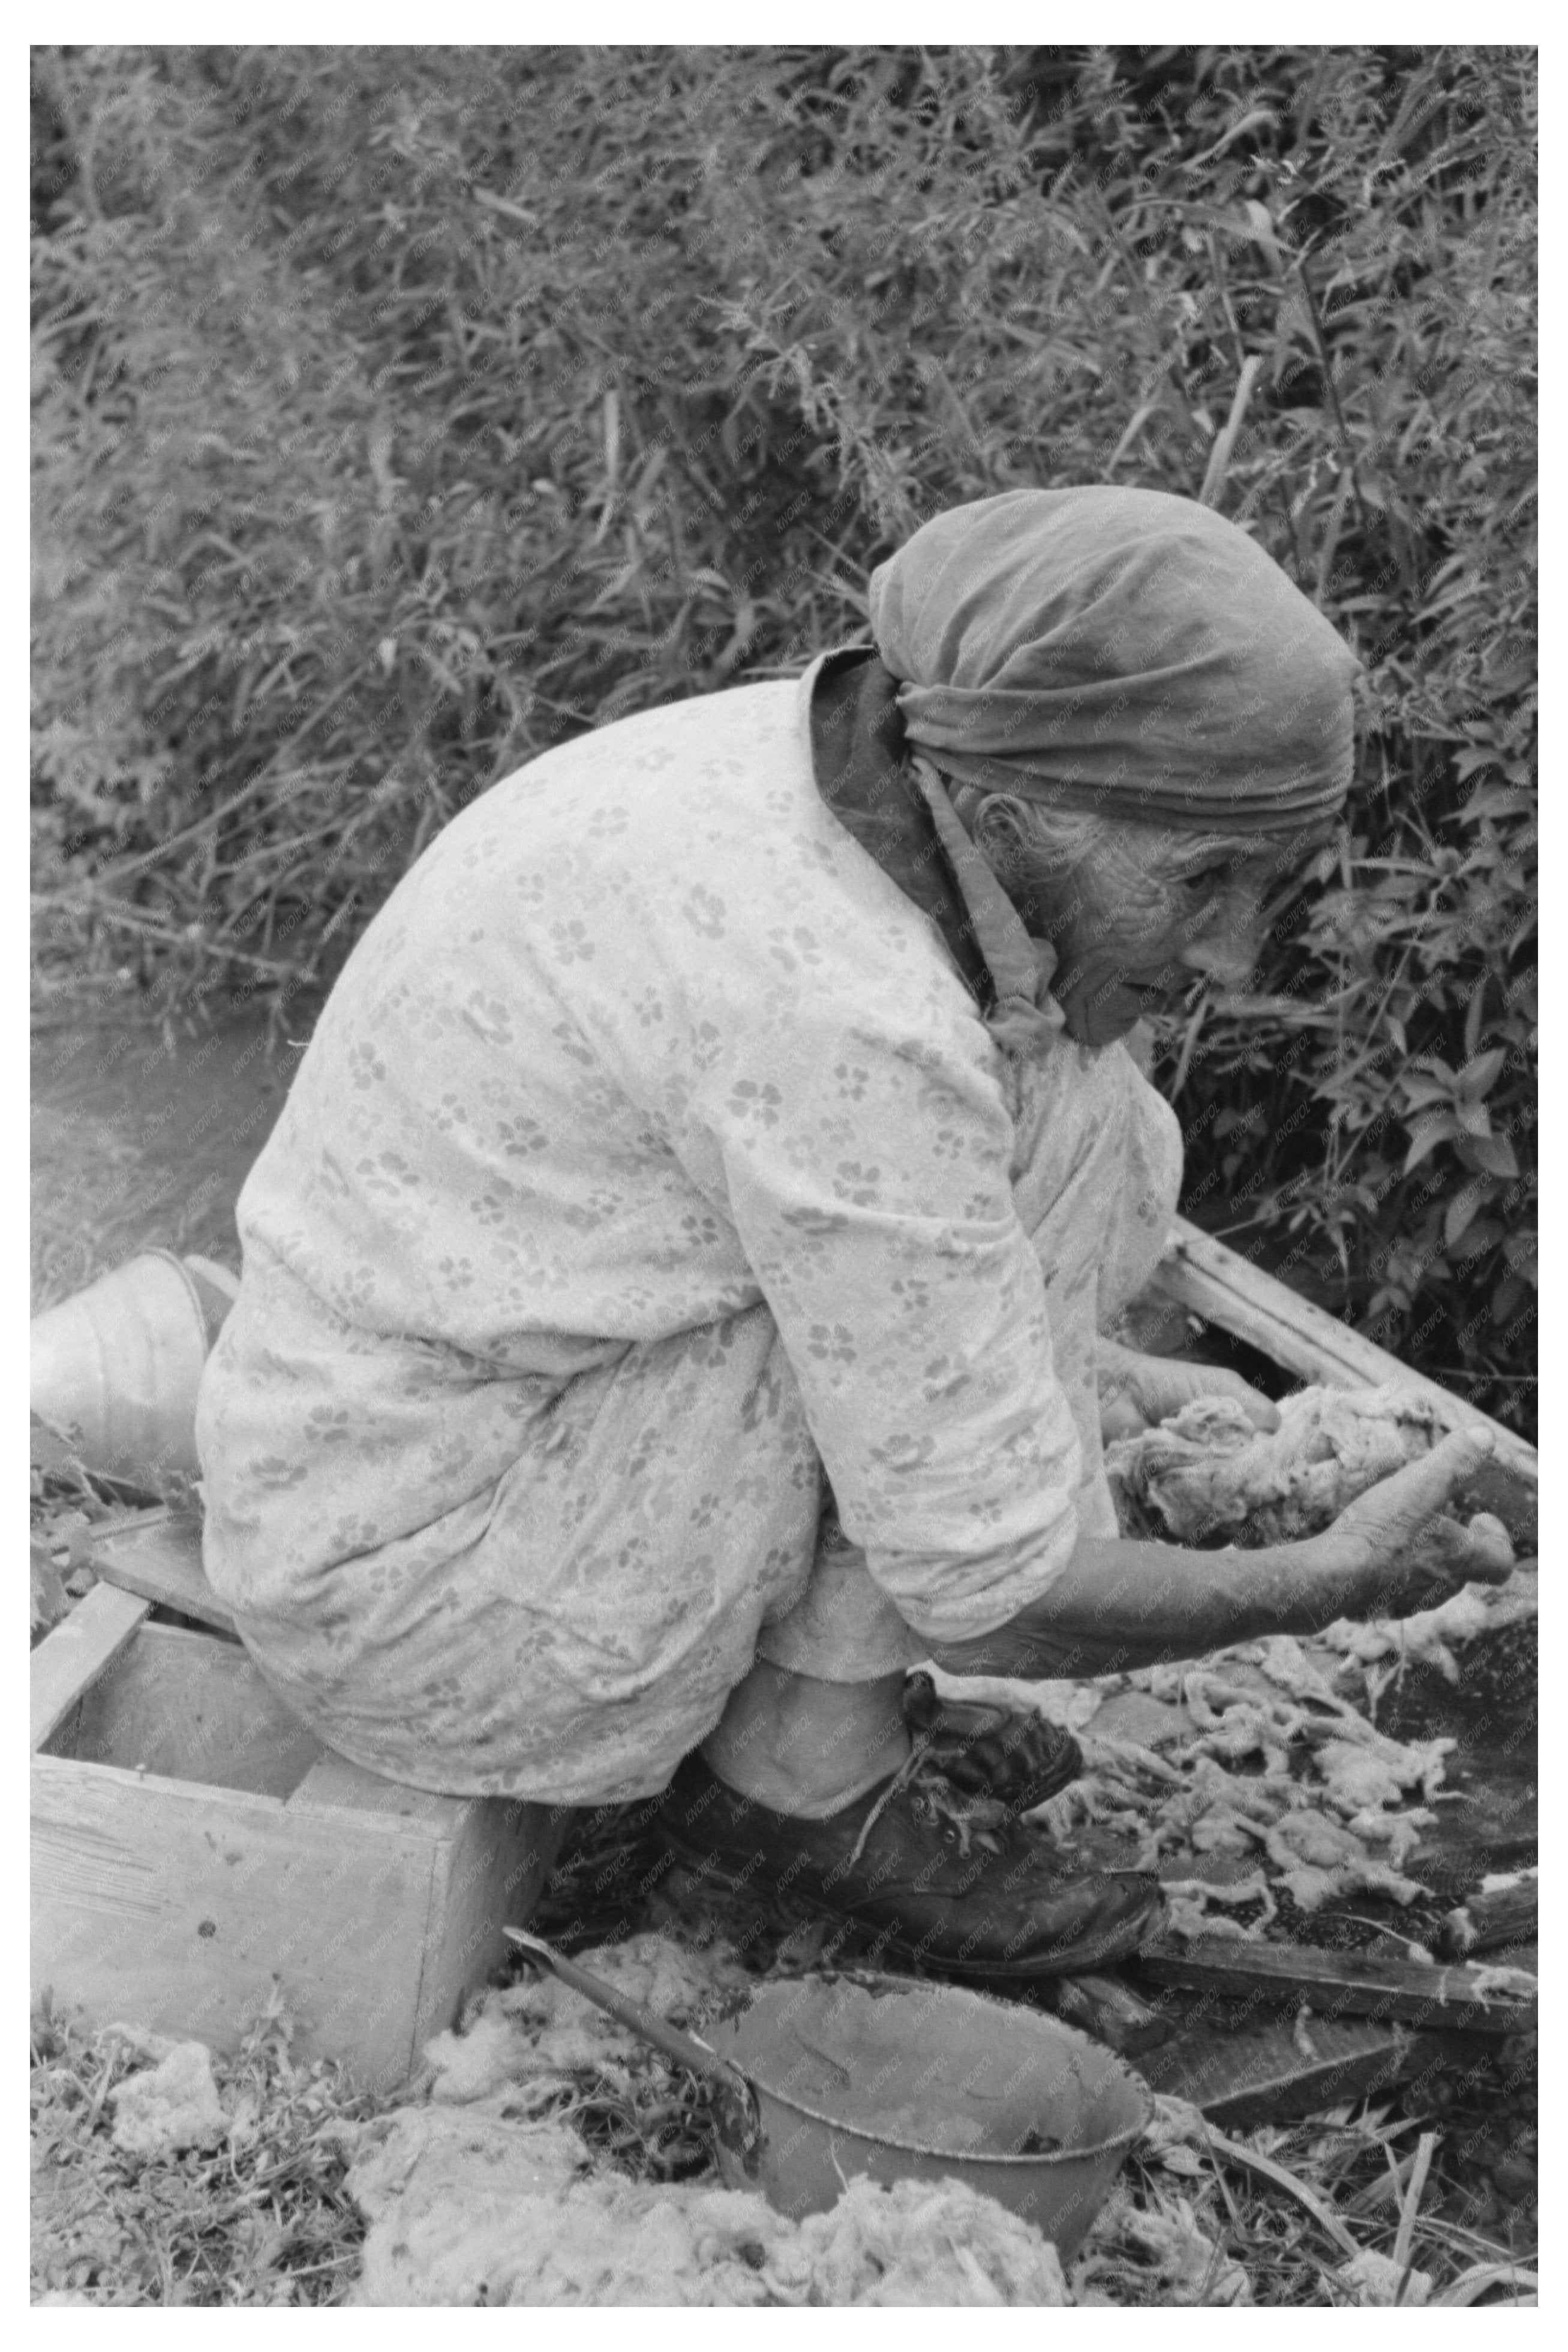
(999,828)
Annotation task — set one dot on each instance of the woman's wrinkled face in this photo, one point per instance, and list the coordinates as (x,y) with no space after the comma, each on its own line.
(1146,911)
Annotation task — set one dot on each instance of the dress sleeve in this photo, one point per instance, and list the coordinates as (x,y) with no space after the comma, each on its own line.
(865,1161)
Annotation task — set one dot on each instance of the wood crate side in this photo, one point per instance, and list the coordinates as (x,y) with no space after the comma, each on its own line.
(488,1878)
(70,1660)
(177,1907)
(188,1706)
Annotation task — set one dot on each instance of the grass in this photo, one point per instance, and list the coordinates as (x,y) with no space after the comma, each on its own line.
(262,2219)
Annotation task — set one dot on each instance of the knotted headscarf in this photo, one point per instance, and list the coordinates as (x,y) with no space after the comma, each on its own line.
(1117,650)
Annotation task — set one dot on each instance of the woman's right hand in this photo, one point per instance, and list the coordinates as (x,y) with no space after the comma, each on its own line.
(1119,1602)
(1393,1551)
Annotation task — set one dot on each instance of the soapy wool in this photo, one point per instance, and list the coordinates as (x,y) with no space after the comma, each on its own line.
(537,2035)
(482,2197)
(1253,1755)
(1209,1474)
(469,2207)
(172,2105)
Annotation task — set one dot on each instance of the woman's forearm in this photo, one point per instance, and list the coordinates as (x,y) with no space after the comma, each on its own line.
(1397,1548)
(1119,1604)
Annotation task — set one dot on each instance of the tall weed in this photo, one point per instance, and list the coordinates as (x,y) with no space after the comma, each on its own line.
(400,413)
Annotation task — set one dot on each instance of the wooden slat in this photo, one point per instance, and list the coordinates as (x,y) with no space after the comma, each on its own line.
(68,1661)
(1242,1298)
(160,1556)
(1508,1913)
(1337,1984)
(1261,2073)
(1228,1290)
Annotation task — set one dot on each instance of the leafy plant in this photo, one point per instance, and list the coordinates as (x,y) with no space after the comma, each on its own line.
(400,413)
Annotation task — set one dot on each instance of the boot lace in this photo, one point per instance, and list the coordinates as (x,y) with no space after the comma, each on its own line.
(972,1819)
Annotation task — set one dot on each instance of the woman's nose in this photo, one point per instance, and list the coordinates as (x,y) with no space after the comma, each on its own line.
(1226,939)
(1229,956)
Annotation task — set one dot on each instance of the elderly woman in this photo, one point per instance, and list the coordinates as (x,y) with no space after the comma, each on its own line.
(672,1295)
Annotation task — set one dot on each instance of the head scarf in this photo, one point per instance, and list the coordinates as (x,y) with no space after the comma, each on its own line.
(1117,650)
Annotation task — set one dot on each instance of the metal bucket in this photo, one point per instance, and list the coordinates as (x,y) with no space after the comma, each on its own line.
(862,2072)
(822,2077)
(117,1366)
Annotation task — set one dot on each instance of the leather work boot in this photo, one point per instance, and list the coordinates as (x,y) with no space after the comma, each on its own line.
(923,1871)
(1009,1753)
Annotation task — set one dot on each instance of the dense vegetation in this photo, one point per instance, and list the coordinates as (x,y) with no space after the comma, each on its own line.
(399,412)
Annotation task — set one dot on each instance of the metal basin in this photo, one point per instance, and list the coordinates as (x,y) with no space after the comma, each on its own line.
(858,2073)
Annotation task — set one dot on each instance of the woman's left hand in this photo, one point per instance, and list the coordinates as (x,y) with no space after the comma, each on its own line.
(1137,1393)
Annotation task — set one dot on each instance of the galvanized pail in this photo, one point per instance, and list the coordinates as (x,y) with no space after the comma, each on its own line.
(898,2079)
(116,1368)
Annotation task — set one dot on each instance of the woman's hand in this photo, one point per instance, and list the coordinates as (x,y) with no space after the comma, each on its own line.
(1137,1392)
(1395,1555)
(1118,1603)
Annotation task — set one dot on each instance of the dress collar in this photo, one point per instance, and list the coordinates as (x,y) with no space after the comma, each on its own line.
(897,808)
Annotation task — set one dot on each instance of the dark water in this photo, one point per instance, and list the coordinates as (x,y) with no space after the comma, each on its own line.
(139,1143)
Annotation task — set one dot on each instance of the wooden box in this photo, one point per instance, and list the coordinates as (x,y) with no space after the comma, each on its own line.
(193,1845)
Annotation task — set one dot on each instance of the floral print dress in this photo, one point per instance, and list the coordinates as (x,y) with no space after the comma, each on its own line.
(650,1164)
